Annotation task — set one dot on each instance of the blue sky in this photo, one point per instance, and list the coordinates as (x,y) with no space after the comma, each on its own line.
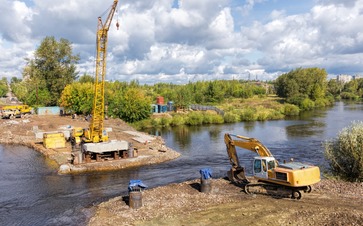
(179,41)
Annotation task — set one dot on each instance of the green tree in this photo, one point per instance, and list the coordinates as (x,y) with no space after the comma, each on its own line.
(133,105)
(19,88)
(86,78)
(334,87)
(51,69)
(183,97)
(214,92)
(3,87)
(300,83)
(77,97)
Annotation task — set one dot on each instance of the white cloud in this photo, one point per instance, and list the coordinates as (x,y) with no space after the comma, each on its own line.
(191,41)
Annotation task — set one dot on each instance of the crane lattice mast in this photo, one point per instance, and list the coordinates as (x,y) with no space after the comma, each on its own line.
(98,111)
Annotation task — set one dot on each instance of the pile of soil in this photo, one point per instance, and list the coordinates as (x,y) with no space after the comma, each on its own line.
(330,203)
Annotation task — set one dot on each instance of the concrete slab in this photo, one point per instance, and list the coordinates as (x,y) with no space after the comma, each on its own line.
(140,137)
(114,145)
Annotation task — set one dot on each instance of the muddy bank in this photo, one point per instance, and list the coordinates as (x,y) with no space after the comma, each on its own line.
(330,203)
(22,132)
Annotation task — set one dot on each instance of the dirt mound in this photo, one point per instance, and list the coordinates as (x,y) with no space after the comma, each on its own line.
(184,204)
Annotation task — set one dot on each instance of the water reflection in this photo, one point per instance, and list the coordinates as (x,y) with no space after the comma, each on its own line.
(32,191)
(249,126)
(313,128)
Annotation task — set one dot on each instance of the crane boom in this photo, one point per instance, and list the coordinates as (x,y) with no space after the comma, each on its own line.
(96,133)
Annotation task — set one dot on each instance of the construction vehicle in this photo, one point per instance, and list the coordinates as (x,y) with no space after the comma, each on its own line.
(273,178)
(15,111)
(93,141)
(10,113)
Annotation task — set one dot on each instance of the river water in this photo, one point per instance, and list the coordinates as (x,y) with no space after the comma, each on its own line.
(32,193)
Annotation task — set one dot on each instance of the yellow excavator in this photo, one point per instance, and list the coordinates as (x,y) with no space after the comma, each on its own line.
(272,178)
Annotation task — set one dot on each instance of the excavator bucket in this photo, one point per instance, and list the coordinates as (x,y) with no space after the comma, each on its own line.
(238,175)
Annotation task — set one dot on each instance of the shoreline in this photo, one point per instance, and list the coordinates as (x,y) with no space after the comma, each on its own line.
(23,132)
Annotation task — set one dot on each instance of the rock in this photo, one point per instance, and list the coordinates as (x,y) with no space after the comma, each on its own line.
(65,168)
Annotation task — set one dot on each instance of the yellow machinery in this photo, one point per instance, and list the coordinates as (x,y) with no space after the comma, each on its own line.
(96,132)
(291,177)
(54,140)
(93,141)
(24,109)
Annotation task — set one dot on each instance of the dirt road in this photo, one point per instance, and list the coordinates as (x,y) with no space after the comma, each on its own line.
(331,203)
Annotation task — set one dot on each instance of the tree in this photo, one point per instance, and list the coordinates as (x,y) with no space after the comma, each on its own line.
(345,153)
(134,105)
(51,69)
(335,87)
(77,97)
(183,97)
(86,78)
(130,104)
(309,82)
(3,87)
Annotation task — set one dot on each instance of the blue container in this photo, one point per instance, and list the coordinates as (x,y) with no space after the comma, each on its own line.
(164,108)
(170,106)
(55,110)
(154,108)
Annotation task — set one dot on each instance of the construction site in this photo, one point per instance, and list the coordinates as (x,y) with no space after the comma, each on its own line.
(79,144)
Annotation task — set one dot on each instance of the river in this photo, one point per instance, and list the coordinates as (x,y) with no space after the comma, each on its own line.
(32,193)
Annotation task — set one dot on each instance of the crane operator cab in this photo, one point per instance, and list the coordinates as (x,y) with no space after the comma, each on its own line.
(261,166)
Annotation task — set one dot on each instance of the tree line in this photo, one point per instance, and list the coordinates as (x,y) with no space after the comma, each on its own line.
(50,78)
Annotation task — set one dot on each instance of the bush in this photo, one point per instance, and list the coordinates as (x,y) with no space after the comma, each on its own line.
(349,96)
(290,109)
(165,121)
(345,153)
(275,115)
(262,114)
(248,114)
(177,120)
(217,119)
(230,117)
(155,122)
(323,102)
(307,104)
(212,118)
(143,124)
(194,118)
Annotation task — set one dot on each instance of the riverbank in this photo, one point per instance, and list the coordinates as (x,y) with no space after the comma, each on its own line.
(23,132)
(330,203)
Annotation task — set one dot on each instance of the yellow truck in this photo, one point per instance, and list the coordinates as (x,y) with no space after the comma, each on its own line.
(14,111)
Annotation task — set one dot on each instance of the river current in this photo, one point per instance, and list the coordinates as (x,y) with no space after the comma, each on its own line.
(32,193)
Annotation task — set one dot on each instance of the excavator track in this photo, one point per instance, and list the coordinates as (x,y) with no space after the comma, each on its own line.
(276,190)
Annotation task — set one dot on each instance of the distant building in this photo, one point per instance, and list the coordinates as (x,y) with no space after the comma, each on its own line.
(357,76)
(344,78)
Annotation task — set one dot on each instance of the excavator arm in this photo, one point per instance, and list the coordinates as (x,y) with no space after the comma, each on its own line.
(237,173)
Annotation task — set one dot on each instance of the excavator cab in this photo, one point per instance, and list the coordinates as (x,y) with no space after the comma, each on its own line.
(262,165)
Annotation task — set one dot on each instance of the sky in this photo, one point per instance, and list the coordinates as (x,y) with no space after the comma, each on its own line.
(181,41)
